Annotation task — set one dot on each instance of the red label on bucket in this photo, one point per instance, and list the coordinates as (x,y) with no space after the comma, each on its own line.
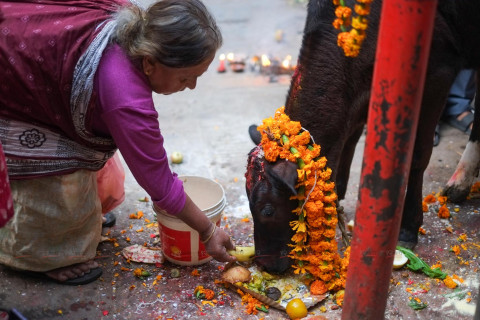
(176,244)
(202,253)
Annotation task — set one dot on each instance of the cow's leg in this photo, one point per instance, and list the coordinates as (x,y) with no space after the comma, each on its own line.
(345,162)
(459,185)
(434,98)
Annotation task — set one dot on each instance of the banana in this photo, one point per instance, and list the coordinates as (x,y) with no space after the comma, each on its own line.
(243,254)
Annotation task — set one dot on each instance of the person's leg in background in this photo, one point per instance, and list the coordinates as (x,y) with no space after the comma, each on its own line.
(458,110)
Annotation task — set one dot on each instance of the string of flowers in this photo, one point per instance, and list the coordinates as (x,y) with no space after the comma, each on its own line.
(315,249)
(351,40)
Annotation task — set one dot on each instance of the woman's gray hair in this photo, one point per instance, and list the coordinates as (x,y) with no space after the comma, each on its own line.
(176,33)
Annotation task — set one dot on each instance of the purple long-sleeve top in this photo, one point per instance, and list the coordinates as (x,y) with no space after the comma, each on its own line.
(125,111)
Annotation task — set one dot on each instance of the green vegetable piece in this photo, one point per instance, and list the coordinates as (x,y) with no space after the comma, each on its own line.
(415,305)
(417,264)
(262,308)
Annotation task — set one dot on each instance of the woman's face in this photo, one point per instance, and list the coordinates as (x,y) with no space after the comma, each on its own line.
(167,80)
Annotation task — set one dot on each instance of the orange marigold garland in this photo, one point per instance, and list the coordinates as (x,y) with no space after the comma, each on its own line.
(315,249)
(351,40)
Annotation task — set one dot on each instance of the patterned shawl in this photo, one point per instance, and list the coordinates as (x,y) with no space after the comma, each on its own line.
(50,51)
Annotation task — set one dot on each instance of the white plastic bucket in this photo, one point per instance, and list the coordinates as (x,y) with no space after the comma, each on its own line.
(180,243)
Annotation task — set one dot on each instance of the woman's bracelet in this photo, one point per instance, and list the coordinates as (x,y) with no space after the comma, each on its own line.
(211,234)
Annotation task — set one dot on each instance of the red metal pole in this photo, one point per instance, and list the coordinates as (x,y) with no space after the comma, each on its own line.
(404,41)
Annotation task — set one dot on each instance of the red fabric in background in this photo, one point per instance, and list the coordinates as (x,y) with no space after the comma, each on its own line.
(110,183)
(6,203)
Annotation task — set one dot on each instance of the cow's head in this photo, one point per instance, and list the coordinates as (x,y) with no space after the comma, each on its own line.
(269,188)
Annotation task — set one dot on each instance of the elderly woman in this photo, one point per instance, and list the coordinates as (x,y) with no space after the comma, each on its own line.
(77,85)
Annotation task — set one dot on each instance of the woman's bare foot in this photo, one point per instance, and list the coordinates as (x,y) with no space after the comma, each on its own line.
(73,271)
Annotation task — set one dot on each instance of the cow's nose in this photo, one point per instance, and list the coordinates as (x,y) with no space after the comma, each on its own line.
(274,265)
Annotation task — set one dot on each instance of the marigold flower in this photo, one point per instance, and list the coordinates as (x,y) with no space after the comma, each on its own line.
(424,206)
(430,199)
(448,281)
(339,297)
(251,304)
(437,265)
(299,237)
(443,212)
(203,293)
(454,276)
(316,234)
(332,223)
(299,226)
(195,273)
(475,187)
(362,9)
(338,23)
(455,249)
(360,23)
(299,269)
(318,287)
(442,199)
(343,12)
(329,233)
(462,237)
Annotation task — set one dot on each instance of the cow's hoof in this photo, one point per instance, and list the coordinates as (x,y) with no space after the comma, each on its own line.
(408,245)
(455,194)
(407,239)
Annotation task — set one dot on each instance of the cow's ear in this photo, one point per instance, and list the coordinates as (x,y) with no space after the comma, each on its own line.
(284,173)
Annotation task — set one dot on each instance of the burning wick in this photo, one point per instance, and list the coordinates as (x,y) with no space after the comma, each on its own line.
(265,61)
(221,68)
(286,64)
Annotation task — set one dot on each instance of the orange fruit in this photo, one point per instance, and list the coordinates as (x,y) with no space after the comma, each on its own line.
(296,309)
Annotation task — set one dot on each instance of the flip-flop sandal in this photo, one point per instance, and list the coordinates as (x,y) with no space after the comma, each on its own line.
(93,275)
(462,125)
(110,220)
(12,314)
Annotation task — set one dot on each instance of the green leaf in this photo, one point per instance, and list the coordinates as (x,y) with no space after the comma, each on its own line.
(262,308)
(417,264)
(415,305)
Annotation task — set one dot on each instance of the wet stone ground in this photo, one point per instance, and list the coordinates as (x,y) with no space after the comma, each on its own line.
(209,127)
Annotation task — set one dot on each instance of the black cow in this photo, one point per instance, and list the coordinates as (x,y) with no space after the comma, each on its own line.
(333,103)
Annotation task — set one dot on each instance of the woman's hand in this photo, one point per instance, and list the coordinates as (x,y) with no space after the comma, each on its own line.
(217,242)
